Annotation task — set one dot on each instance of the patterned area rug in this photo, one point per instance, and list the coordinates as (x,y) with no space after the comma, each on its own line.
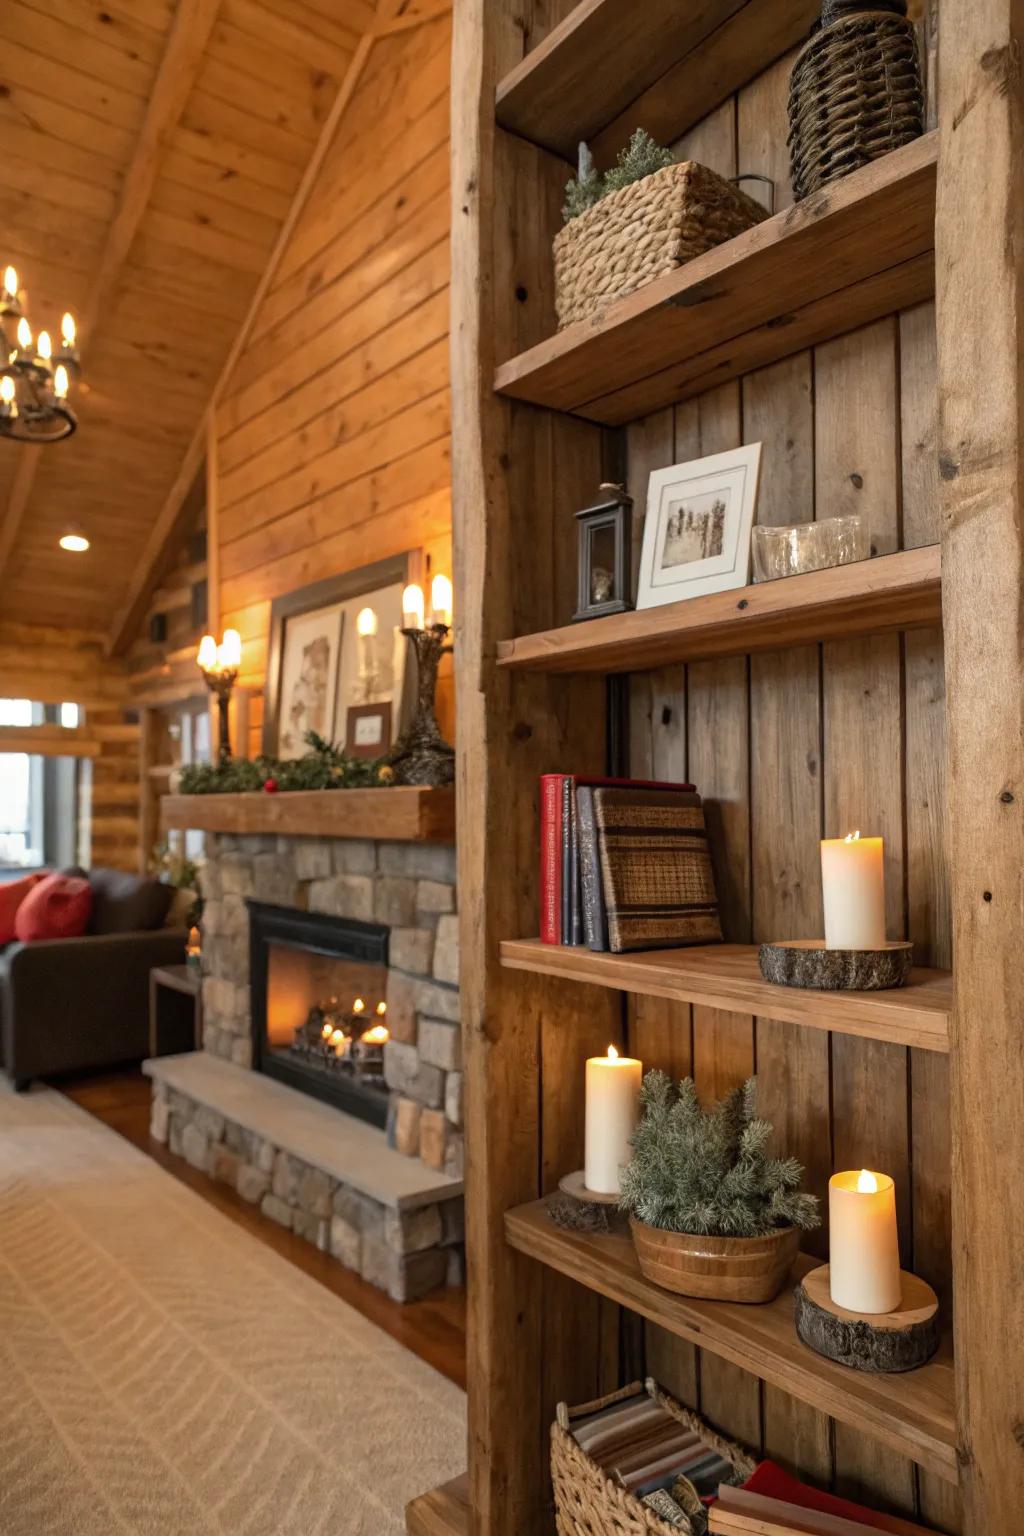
(161,1372)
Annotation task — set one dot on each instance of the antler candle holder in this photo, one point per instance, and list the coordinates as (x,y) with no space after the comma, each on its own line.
(421,755)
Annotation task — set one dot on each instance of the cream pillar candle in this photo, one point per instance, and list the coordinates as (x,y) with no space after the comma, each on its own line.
(853,888)
(864,1249)
(613,1088)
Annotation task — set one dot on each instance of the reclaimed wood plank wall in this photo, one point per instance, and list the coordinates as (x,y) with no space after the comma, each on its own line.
(333,436)
(794,746)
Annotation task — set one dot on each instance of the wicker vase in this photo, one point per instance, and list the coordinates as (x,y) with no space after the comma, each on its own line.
(855,94)
(749,1269)
(643,231)
(589,1503)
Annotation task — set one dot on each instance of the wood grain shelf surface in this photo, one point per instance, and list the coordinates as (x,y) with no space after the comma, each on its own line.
(861,248)
(612,65)
(912,1414)
(398,814)
(893,592)
(444,1511)
(727,976)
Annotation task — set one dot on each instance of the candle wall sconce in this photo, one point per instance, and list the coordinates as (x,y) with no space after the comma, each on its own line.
(219,665)
(605,533)
(421,755)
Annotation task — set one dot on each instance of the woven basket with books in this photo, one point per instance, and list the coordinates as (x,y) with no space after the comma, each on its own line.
(604,1455)
(642,231)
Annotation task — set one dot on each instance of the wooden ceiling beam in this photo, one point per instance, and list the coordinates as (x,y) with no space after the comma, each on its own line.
(156,554)
(182,59)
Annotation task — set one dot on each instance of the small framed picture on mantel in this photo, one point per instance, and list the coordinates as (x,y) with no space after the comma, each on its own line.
(697,528)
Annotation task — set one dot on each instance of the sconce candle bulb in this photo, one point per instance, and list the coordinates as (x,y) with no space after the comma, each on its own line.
(219,665)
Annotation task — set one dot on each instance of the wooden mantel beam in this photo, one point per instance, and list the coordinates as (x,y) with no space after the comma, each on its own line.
(980,322)
(181,62)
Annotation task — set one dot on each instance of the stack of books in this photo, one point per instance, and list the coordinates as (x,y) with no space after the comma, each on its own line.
(624,865)
(772,1503)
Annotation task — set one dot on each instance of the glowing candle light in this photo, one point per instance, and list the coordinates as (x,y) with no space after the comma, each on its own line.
(382,1009)
(7,392)
(24,335)
(378,1035)
(853,889)
(207,657)
(366,628)
(60,382)
(44,346)
(412,607)
(67,330)
(864,1249)
(10,282)
(441,600)
(326,1032)
(612,1090)
(229,652)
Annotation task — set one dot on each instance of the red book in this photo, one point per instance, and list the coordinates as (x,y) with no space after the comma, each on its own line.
(552,874)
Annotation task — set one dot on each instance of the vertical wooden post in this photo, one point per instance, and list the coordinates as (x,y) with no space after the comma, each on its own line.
(213,568)
(980,267)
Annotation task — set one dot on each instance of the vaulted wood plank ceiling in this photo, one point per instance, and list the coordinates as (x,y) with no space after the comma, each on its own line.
(152,149)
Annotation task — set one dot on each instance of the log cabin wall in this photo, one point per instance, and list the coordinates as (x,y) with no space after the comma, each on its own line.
(798,745)
(333,435)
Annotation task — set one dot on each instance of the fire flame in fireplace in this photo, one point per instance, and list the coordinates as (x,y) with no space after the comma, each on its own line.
(358,1006)
(378,1035)
(382,1009)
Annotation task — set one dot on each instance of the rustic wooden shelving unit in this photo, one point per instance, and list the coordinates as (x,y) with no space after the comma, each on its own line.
(912,1412)
(895,592)
(727,977)
(828,702)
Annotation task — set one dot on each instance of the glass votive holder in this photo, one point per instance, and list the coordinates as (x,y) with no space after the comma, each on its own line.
(802,547)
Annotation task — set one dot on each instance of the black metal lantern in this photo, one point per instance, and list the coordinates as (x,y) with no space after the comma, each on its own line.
(605,532)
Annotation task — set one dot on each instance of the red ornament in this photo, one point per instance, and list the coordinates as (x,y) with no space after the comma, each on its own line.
(270,786)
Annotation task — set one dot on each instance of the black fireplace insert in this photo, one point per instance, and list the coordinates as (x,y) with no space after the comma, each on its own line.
(319,1010)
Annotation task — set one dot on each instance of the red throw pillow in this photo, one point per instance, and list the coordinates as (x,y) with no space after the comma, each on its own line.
(11,897)
(57,908)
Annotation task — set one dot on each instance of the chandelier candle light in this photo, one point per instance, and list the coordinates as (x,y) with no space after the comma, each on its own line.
(35,381)
(219,665)
(421,755)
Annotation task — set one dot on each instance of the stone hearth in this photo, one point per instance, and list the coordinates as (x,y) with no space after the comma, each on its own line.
(325,1175)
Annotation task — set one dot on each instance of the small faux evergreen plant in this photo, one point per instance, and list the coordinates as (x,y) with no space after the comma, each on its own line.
(708,1171)
(641,157)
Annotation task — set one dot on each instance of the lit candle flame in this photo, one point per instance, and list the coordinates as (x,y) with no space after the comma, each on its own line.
(441,599)
(207,657)
(44,346)
(11,282)
(7,389)
(229,652)
(24,335)
(613,1054)
(326,1032)
(852,837)
(358,1006)
(60,382)
(366,622)
(378,1035)
(337,1036)
(67,330)
(412,607)
(382,1009)
(867,1183)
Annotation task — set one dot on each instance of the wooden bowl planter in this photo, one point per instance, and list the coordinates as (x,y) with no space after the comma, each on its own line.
(749,1269)
(643,231)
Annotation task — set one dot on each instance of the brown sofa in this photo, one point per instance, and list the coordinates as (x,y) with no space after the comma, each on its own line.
(68,1004)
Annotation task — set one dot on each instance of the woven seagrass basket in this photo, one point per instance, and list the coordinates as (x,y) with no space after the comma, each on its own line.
(855,94)
(589,1503)
(641,232)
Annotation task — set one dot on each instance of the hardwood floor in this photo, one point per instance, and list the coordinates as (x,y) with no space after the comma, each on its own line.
(434,1329)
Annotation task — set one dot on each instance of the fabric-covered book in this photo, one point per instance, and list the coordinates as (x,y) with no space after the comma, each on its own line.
(659,886)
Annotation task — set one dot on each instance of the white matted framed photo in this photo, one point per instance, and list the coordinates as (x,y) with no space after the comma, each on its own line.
(697,529)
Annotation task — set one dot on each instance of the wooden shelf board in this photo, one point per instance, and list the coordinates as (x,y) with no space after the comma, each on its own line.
(444,1511)
(861,248)
(727,976)
(399,815)
(901,591)
(613,65)
(912,1413)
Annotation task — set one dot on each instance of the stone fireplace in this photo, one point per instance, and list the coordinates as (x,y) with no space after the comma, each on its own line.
(330,966)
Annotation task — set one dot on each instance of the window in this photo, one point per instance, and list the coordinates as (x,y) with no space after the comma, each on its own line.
(21,792)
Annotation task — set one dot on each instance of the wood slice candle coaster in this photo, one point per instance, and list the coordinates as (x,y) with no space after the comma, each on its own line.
(807,963)
(887,1342)
(579,1209)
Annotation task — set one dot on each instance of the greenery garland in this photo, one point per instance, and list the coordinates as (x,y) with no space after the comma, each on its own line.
(324,766)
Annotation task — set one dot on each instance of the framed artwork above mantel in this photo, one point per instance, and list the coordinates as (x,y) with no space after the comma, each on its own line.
(320,665)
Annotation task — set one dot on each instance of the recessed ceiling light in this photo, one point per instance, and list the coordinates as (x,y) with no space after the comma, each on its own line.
(75,541)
